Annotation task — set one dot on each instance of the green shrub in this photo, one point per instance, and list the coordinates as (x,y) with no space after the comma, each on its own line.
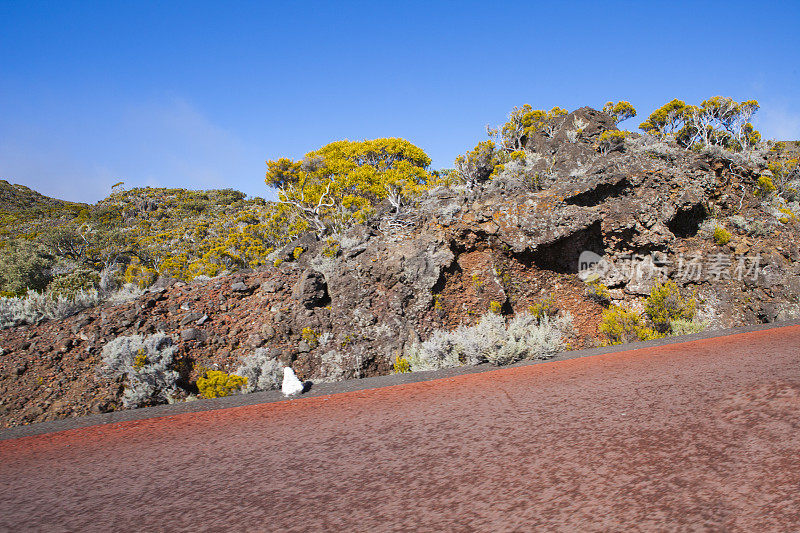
(217,384)
(666,304)
(24,266)
(68,285)
(620,325)
(721,235)
(478,164)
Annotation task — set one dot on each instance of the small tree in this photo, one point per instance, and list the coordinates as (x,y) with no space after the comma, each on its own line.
(667,119)
(525,121)
(342,181)
(620,111)
(478,164)
(718,121)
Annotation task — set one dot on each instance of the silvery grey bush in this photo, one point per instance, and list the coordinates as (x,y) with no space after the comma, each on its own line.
(147,364)
(492,340)
(262,370)
(34,307)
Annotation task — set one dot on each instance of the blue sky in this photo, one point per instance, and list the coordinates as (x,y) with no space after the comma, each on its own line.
(200,94)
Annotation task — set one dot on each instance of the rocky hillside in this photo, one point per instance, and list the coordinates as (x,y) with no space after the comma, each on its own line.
(700,226)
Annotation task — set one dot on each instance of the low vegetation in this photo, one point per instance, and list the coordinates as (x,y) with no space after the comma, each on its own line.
(492,340)
(147,365)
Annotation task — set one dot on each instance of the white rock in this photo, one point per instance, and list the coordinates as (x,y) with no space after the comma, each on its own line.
(291,385)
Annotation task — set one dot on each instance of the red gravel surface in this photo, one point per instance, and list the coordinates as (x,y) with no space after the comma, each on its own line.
(696,436)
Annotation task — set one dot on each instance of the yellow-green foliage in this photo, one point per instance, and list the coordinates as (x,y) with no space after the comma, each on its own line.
(765,186)
(721,235)
(401,365)
(331,248)
(479,164)
(525,121)
(545,307)
(666,304)
(787,215)
(311,337)
(217,384)
(140,360)
(174,232)
(620,111)
(785,172)
(340,183)
(598,292)
(620,325)
(297,252)
(476,281)
(495,307)
(140,275)
(666,119)
(24,265)
(68,285)
(719,121)
(607,139)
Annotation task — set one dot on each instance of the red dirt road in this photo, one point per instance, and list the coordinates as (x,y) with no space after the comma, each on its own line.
(696,436)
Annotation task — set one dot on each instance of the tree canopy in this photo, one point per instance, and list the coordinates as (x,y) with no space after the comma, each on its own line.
(342,181)
(525,121)
(620,111)
(719,121)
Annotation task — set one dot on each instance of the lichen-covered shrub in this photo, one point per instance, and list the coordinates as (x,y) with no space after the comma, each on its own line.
(34,307)
(262,371)
(620,325)
(218,384)
(492,340)
(147,365)
(666,304)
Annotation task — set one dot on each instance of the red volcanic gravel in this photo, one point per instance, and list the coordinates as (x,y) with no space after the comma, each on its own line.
(703,435)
